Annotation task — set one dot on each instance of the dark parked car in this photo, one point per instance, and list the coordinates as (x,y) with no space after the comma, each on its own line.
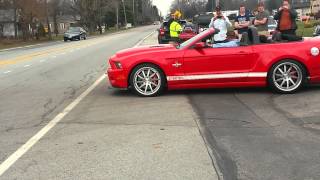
(75,33)
(164,31)
(202,21)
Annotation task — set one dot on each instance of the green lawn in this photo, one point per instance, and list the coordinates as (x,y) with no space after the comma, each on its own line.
(305,32)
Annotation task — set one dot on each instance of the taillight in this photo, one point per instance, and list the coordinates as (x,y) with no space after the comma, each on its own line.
(161,31)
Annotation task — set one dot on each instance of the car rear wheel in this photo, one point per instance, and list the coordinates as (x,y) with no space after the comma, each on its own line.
(147,80)
(287,76)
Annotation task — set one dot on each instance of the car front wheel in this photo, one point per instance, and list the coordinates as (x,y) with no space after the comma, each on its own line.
(287,76)
(147,80)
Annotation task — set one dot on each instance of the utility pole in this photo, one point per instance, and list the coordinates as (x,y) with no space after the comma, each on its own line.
(133,13)
(15,19)
(47,18)
(125,14)
(117,13)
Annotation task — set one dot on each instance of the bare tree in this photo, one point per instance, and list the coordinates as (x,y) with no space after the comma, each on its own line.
(189,8)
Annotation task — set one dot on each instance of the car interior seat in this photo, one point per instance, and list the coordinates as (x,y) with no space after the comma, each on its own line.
(253,35)
(244,41)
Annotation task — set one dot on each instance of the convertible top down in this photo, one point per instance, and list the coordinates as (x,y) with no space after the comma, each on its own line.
(284,66)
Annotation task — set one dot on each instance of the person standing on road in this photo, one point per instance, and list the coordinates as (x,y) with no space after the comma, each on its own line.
(242,22)
(221,22)
(286,17)
(175,28)
(261,20)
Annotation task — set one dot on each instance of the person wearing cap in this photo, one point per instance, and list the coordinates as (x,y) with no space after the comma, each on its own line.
(261,20)
(175,27)
(286,17)
(221,22)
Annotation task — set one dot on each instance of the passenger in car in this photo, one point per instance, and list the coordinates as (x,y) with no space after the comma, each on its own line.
(242,21)
(261,20)
(286,17)
(221,22)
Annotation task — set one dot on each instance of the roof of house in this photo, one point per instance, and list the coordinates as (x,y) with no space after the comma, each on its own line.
(301,4)
(66,19)
(7,15)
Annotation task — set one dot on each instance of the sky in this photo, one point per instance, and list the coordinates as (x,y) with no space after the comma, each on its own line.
(163,6)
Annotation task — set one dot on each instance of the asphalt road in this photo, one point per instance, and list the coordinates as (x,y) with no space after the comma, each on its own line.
(259,135)
(245,134)
(110,134)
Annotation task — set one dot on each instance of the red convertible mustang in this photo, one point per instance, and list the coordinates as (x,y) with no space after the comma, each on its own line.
(284,66)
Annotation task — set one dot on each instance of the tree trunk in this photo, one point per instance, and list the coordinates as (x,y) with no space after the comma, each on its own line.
(55,23)
(47,18)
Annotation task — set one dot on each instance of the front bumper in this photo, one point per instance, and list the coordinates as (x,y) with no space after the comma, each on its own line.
(117,78)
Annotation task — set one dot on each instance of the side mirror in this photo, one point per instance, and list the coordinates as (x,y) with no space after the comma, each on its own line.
(199,45)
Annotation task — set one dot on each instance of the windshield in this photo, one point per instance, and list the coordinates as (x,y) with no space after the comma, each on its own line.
(74,29)
(190,41)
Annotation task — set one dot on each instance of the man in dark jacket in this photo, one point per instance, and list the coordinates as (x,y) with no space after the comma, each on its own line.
(286,17)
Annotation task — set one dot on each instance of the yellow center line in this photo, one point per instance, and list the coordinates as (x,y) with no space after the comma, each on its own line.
(28,57)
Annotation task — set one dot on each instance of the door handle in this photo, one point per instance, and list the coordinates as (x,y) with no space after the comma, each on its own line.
(243,52)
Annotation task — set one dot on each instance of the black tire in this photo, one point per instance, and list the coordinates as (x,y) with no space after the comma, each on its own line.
(84,37)
(157,81)
(65,39)
(286,80)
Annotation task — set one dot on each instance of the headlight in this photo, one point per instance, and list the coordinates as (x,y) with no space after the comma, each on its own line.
(118,64)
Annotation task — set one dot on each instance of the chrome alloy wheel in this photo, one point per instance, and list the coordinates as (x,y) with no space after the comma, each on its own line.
(287,76)
(147,81)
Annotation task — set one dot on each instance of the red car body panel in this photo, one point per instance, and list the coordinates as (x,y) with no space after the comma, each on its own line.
(187,67)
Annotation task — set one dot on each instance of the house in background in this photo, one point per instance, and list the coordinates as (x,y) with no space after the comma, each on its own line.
(302,7)
(63,22)
(8,23)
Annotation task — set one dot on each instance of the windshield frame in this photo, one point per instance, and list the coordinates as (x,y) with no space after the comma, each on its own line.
(195,39)
(74,30)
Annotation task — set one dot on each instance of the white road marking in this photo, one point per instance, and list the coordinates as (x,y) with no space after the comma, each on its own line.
(71,51)
(6,72)
(32,141)
(4,166)
(141,41)
(53,56)
(42,60)
(28,65)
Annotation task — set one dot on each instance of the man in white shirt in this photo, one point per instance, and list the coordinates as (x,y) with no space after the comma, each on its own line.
(221,22)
